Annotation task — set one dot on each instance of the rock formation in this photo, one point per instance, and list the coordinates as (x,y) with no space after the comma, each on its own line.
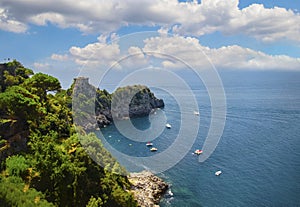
(147,188)
(126,102)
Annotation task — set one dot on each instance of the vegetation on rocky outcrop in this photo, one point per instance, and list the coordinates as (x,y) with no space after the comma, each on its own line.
(92,104)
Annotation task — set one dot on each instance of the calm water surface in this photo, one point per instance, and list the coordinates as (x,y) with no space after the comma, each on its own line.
(259,152)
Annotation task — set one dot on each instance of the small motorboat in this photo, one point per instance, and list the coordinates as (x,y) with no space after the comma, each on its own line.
(153,149)
(198,152)
(196,113)
(168,126)
(218,173)
(149,144)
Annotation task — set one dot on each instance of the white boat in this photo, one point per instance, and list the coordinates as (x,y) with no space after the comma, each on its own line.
(196,113)
(198,152)
(218,173)
(168,126)
(153,149)
(149,144)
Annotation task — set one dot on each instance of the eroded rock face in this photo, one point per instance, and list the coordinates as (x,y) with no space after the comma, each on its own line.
(126,102)
(134,101)
(147,188)
(15,132)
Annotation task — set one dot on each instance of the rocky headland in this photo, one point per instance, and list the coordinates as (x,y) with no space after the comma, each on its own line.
(147,188)
(124,103)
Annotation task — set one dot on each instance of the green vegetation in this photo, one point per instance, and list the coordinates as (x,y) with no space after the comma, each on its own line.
(137,92)
(42,161)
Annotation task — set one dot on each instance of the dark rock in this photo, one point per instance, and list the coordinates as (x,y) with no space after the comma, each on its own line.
(157,103)
(15,132)
(102,120)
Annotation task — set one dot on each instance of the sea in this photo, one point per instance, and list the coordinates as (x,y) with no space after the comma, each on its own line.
(258,152)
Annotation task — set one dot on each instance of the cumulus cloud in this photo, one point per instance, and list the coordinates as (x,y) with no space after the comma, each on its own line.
(177,52)
(106,53)
(183,51)
(98,53)
(266,24)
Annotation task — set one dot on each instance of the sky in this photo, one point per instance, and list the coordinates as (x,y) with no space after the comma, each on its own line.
(64,37)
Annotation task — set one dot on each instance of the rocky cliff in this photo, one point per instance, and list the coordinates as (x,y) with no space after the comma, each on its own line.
(134,101)
(126,102)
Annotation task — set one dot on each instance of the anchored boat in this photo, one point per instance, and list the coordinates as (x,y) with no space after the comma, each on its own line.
(153,149)
(198,152)
(168,126)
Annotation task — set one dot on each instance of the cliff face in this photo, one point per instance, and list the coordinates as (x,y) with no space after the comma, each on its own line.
(126,102)
(134,101)
(15,133)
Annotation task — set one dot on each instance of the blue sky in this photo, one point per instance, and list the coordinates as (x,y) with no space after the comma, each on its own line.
(58,37)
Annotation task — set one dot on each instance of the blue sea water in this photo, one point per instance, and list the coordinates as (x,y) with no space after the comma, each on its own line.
(259,151)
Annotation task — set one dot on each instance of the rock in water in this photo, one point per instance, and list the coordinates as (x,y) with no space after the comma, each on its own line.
(134,101)
(147,188)
(95,108)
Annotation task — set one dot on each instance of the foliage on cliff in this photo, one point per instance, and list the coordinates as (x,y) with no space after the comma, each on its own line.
(42,162)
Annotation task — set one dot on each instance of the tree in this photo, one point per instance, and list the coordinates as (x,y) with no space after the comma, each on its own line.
(40,84)
(16,165)
(93,202)
(18,102)
(14,192)
(13,73)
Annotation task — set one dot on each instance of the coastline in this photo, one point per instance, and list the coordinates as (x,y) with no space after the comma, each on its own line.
(147,188)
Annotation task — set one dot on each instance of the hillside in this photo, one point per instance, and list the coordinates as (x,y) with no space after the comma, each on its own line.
(42,162)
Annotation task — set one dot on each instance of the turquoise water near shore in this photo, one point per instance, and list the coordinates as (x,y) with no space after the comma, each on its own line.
(259,152)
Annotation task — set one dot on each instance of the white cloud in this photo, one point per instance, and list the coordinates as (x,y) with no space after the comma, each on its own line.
(238,57)
(255,20)
(189,51)
(106,53)
(44,18)
(41,66)
(7,23)
(59,57)
(96,54)
(177,52)
(266,24)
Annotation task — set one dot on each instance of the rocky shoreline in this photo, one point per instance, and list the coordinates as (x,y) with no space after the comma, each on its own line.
(147,188)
